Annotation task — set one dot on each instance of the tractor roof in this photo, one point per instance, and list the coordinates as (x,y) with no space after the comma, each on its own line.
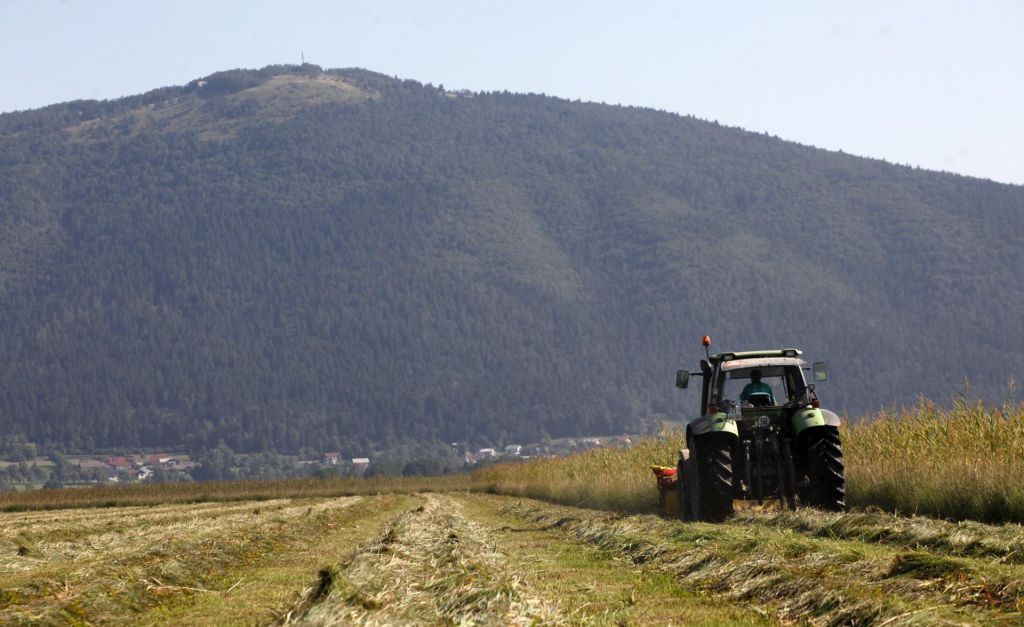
(761,362)
(775,352)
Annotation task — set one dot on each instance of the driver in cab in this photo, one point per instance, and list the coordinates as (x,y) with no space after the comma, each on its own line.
(756,386)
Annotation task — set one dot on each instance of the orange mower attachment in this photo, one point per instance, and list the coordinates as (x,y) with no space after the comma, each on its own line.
(668,492)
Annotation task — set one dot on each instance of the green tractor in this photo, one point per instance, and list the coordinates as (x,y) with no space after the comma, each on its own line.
(761,435)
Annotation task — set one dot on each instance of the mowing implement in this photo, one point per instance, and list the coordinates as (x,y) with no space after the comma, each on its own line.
(761,434)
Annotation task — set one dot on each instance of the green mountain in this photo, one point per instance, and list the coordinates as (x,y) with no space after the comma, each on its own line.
(291,257)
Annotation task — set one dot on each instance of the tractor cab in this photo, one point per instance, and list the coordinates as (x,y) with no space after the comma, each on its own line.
(729,381)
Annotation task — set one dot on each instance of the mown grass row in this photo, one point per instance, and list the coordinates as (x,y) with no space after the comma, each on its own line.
(966,462)
(432,566)
(216,491)
(809,578)
(216,563)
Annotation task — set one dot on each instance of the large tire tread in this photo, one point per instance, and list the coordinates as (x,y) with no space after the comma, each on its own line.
(714,455)
(826,487)
(682,477)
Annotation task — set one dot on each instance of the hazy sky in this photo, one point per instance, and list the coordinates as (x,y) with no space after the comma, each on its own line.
(933,83)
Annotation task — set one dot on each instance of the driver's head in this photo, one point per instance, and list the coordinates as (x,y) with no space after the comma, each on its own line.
(755,375)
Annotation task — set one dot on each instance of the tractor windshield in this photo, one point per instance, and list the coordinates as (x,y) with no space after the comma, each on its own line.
(774,386)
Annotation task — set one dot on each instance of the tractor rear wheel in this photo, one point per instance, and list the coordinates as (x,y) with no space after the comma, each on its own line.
(683,485)
(711,476)
(823,457)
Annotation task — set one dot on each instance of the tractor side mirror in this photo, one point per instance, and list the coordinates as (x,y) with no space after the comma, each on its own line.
(682,379)
(820,373)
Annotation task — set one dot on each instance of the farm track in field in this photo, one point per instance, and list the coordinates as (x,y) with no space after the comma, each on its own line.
(465,558)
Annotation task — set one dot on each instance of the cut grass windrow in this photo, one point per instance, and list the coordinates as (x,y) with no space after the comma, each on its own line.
(53,527)
(263,592)
(598,587)
(150,494)
(1000,543)
(432,566)
(795,576)
(73,569)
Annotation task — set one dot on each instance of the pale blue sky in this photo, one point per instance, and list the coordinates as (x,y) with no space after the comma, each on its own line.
(936,83)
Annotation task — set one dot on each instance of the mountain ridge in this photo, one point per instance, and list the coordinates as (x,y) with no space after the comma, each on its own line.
(409,263)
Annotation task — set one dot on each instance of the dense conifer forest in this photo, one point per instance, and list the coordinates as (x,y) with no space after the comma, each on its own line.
(292,257)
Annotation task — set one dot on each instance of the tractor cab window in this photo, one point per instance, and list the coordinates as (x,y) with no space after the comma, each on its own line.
(739,386)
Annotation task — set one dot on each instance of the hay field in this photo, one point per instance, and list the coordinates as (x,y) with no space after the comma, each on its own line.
(105,565)
(429,551)
(965,463)
(445,558)
(221,491)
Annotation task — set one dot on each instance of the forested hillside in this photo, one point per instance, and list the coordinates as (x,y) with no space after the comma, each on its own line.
(289,257)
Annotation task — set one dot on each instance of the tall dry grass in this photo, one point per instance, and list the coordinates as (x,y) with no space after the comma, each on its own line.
(617,479)
(156,494)
(963,463)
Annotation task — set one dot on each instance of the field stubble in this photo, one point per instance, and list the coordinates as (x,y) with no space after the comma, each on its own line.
(114,565)
(222,491)
(216,553)
(464,558)
(812,567)
(431,566)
